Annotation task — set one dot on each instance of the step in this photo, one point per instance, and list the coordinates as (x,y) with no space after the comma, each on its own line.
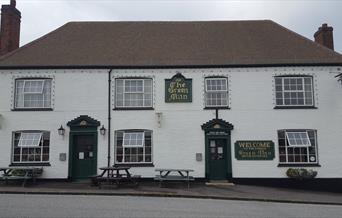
(219,183)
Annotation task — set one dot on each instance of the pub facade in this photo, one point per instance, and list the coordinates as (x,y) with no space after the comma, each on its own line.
(172,95)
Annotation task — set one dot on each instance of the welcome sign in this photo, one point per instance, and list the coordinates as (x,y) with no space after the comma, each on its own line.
(254,150)
(178,89)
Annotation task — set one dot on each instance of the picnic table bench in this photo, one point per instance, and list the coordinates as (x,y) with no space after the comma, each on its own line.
(20,174)
(174,175)
(115,175)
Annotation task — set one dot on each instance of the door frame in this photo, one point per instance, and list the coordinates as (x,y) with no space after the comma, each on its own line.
(218,129)
(82,125)
(71,148)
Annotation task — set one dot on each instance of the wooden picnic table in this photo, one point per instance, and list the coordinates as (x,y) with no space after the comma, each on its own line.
(166,174)
(115,175)
(20,173)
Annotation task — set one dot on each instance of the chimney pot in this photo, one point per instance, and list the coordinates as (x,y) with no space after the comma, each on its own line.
(13,3)
(324,36)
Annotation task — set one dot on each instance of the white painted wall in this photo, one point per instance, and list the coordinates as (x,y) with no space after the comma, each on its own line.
(180,137)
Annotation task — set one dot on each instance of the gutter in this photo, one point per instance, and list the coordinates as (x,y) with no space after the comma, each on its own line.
(109,115)
(204,66)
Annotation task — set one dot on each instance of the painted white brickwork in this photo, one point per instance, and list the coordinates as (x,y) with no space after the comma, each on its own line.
(180,137)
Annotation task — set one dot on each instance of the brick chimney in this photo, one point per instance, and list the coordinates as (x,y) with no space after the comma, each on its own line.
(324,36)
(10,28)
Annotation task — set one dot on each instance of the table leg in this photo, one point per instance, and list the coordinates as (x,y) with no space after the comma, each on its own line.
(187,176)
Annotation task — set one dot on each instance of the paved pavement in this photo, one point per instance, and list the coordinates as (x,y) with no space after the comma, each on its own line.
(46,206)
(197,190)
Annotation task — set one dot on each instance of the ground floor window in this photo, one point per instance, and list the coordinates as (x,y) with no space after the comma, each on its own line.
(297,146)
(31,146)
(133,146)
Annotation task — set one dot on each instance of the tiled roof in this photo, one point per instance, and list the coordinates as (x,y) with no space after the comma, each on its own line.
(169,44)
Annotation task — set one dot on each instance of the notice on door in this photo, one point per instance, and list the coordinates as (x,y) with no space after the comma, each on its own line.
(254,150)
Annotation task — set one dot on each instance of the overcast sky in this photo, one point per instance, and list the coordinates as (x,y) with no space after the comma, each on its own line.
(302,16)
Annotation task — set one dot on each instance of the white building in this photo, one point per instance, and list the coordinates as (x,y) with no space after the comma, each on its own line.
(229,99)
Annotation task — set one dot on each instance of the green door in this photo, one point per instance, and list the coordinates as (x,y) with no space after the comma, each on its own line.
(84,155)
(218,159)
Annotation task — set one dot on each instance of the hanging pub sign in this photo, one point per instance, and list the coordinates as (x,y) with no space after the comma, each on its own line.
(178,89)
(254,150)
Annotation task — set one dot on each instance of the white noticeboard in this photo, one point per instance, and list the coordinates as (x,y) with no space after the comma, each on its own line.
(81,155)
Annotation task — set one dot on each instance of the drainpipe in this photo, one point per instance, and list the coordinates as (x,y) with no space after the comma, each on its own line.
(109,115)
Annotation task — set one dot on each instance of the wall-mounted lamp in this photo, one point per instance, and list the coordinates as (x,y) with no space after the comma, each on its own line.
(61,130)
(159,118)
(103,130)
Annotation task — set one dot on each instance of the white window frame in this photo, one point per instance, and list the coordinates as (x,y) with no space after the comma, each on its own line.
(307,147)
(143,147)
(32,147)
(215,91)
(137,92)
(26,80)
(295,91)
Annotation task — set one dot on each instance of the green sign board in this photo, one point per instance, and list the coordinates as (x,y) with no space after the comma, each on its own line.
(178,89)
(254,150)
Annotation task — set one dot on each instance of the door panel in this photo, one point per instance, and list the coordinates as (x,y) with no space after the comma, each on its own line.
(84,155)
(217,159)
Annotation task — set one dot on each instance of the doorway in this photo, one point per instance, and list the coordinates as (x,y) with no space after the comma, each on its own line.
(84,155)
(218,160)
(83,147)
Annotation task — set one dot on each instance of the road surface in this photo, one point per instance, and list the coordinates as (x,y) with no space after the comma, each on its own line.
(14,205)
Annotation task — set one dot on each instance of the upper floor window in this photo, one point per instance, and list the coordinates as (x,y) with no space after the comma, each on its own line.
(294,91)
(32,93)
(133,93)
(31,147)
(216,92)
(133,146)
(297,146)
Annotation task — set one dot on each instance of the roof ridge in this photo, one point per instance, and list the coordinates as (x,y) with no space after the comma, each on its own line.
(173,21)
(308,40)
(4,57)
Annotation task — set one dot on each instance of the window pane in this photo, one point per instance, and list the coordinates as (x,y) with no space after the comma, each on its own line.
(31,147)
(137,146)
(216,92)
(33,93)
(29,139)
(299,147)
(295,94)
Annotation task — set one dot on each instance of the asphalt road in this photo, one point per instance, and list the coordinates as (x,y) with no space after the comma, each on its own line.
(123,206)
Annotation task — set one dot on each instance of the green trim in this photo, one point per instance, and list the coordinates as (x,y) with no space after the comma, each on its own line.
(228,168)
(71,145)
(82,125)
(218,129)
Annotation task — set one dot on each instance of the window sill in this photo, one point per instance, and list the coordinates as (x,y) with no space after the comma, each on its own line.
(29,164)
(295,107)
(133,108)
(299,165)
(214,108)
(32,109)
(135,165)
